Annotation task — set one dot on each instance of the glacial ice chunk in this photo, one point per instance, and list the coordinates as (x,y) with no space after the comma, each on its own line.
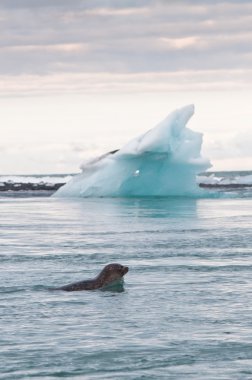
(161,162)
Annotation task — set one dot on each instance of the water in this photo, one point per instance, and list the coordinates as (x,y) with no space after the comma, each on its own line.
(187,305)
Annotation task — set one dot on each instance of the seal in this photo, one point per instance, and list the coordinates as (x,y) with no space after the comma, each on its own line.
(111,273)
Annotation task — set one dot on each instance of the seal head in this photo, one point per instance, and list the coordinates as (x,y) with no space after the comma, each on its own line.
(111,274)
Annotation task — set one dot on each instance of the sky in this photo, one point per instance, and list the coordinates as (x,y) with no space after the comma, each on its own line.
(79,78)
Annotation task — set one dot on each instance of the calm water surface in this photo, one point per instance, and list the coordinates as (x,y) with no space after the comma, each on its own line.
(186,312)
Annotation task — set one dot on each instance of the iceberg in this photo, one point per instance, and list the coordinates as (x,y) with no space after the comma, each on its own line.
(164,161)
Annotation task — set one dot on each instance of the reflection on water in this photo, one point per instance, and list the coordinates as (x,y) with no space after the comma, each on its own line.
(133,207)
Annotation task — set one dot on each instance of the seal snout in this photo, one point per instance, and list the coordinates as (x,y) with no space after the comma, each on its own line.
(116,269)
(125,270)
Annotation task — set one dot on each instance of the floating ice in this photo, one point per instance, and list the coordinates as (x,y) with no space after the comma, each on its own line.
(214,180)
(162,162)
(37,179)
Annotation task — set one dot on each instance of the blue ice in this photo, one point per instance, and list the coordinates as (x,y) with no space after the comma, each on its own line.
(164,161)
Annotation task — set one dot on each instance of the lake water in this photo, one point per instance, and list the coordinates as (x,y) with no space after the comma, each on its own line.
(185,313)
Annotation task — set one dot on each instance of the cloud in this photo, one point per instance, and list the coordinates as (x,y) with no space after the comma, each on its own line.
(65,48)
(48,37)
(233,145)
(44,158)
(111,83)
(112,47)
(243,143)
